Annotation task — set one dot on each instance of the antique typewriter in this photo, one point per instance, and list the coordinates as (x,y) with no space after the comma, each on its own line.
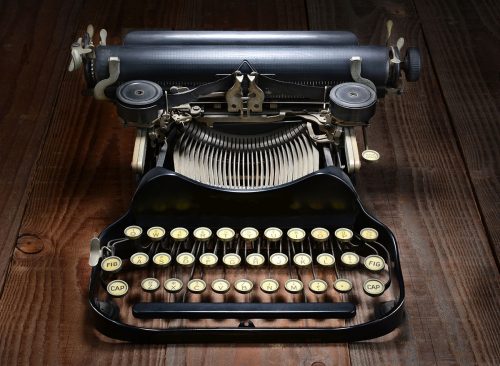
(245,225)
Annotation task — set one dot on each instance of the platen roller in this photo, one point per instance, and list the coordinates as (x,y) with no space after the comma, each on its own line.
(319,65)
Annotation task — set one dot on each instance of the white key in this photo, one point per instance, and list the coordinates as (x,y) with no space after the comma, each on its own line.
(117,288)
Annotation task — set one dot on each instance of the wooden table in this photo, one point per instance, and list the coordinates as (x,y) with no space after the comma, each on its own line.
(64,175)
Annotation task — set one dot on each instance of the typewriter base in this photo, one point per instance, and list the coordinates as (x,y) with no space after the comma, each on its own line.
(249,334)
(156,204)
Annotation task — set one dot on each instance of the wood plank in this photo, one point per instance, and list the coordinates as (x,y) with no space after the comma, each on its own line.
(421,190)
(34,54)
(463,38)
(82,183)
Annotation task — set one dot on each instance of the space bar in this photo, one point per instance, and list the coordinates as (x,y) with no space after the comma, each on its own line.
(176,310)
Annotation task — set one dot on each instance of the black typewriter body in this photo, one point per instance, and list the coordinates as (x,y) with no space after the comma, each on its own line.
(245,226)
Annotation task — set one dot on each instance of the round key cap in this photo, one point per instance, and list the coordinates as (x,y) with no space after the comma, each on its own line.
(173,285)
(209,259)
(133,232)
(117,288)
(369,234)
(278,259)
(296,234)
(202,233)
(320,234)
(225,234)
(374,263)
(273,234)
(269,285)
(179,234)
(156,233)
(325,259)
(185,259)
(139,259)
(370,155)
(255,259)
(350,259)
(221,286)
(150,284)
(302,259)
(243,286)
(318,286)
(343,235)
(249,233)
(111,264)
(373,287)
(342,285)
(231,259)
(162,259)
(197,286)
(294,286)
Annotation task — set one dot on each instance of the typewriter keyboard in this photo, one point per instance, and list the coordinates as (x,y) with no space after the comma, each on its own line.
(242,273)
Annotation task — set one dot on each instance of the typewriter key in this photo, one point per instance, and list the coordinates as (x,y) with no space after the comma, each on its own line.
(249,233)
(133,232)
(370,155)
(243,286)
(325,259)
(369,234)
(342,285)
(173,285)
(296,234)
(150,284)
(111,264)
(231,260)
(255,259)
(350,259)
(202,233)
(117,288)
(278,259)
(302,259)
(139,259)
(225,234)
(343,235)
(185,259)
(374,263)
(209,259)
(293,286)
(156,233)
(162,259)
(197,286)
(273,234)
(179,234)
(269,285)
(221,286)
(373,287)
(320,234)
(318,286)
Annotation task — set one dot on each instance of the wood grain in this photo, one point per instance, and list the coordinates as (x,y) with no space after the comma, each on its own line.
(82,182)
(34,56)
(463,39)
(422,191)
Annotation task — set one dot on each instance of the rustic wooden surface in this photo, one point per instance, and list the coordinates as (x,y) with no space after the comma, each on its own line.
(64,175)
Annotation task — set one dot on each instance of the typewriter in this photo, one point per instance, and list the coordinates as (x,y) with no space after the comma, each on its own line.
(245,225)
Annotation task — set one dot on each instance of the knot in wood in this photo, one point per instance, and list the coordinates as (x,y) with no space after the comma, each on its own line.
(30,244)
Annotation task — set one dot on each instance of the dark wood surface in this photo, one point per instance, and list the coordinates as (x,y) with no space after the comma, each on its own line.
(64,174)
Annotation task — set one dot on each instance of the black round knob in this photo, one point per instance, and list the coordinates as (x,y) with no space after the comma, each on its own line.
(139,101)
(411,64)
(353,102)
(139,93)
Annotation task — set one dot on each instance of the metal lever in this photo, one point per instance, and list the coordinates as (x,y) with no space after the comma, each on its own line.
(234,94)
(369,155)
